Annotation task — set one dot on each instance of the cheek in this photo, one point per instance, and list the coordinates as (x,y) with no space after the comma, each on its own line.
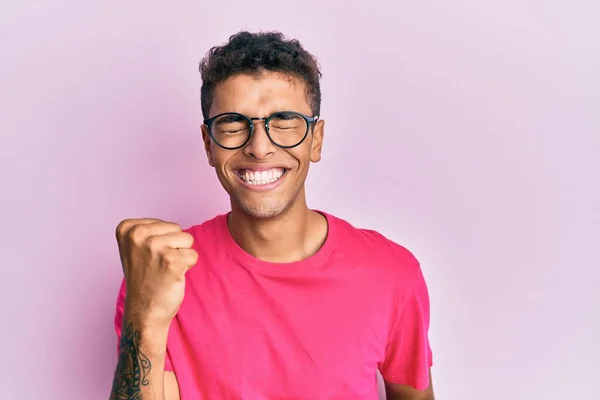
(220,159)
(302,154)
(303,160)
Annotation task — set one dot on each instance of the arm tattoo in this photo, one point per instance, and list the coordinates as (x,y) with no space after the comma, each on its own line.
(132,368)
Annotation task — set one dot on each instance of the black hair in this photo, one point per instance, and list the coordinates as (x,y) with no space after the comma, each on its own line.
(254,53)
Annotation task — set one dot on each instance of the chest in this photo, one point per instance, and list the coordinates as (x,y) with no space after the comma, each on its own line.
(283,337)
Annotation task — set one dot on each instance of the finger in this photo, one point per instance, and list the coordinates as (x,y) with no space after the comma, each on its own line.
(125,226)
(171,240)
(179,261)
(143,232)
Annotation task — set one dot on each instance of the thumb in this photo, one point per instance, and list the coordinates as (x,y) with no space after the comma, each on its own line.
(189,257)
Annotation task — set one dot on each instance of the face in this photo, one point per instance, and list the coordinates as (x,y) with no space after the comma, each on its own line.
(263,180)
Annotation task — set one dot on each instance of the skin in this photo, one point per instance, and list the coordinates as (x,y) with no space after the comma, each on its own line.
(274,225)
(403,392)
(155,256)
(259,219)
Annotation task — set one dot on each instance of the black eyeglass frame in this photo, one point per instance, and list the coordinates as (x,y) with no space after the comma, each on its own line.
(309,121)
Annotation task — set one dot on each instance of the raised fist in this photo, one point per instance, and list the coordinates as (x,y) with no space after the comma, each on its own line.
(155,256)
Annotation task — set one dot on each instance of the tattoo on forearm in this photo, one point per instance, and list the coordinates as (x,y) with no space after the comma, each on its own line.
(133,367)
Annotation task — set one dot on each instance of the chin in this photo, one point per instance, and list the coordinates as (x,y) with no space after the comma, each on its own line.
(264,210)
(269,204)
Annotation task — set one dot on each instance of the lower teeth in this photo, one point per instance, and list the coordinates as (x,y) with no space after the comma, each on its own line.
(262,182)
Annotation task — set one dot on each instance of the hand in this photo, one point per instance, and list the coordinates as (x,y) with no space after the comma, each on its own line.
(155,256)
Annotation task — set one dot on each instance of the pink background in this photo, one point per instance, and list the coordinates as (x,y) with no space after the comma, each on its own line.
(468,131)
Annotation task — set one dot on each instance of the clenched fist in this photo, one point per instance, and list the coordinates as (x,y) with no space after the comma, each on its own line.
(155,256)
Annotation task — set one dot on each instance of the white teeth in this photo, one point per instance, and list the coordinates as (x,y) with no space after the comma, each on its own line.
(261,177)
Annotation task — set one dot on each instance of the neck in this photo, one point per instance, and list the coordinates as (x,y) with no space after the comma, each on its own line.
(292,236)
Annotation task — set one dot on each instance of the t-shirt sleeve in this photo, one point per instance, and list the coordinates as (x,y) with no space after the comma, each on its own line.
(408,355)
(120,311)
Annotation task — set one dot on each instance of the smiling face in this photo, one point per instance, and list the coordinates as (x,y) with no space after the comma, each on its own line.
(263,180)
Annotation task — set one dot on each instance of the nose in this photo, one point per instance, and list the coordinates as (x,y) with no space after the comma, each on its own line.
(259,146)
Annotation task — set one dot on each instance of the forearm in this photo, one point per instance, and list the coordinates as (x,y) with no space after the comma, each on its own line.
(409,396)
(395,391)
(140,368)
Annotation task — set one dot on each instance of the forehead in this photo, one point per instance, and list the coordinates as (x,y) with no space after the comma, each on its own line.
(260,95)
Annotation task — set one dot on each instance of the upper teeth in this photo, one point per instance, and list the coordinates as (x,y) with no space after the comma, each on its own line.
(260,177)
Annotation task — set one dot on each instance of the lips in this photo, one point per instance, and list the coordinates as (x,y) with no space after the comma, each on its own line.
(260,177)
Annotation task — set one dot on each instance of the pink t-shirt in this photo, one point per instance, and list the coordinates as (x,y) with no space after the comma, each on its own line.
(313,329)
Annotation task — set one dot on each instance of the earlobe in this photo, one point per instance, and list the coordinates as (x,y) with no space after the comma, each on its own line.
(317,141)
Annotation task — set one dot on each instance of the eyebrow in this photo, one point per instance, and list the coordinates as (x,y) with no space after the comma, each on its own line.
(229,118)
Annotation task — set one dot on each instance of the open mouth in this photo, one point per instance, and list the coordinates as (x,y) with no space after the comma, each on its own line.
(261,177)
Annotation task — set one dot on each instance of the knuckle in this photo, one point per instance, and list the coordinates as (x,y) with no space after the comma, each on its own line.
(152,243)
(170,257)
(138,233)
(122,227)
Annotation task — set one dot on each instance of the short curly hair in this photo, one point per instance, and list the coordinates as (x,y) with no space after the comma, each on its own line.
(254,53)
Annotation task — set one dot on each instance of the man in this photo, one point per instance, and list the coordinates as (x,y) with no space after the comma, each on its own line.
(282,302)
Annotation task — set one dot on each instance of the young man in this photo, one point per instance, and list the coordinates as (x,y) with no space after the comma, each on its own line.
(282,302)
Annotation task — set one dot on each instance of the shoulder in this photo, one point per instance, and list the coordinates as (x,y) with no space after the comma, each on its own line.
(382,253)
(210,227)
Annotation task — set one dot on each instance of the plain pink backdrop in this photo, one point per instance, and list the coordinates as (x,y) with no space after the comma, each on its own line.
(468,131)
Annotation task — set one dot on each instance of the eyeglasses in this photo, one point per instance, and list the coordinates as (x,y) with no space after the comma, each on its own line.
(285,129)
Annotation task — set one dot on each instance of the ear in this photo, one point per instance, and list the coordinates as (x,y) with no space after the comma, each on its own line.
(207,145)
(317,141)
